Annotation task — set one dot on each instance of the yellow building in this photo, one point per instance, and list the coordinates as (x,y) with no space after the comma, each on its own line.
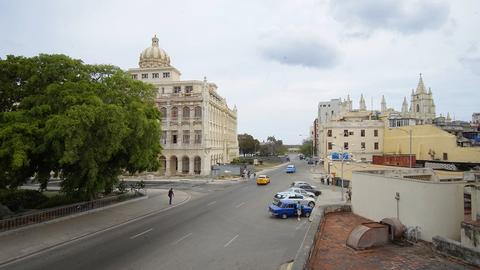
(428,143)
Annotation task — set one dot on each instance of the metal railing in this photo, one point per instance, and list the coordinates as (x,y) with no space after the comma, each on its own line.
(62,211)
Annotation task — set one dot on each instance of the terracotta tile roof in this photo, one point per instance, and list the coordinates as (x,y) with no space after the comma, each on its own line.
(331,252)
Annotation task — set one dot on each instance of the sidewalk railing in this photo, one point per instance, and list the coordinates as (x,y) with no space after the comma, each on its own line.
(62,211)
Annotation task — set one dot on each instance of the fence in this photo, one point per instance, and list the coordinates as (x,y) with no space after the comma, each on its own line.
(62,211)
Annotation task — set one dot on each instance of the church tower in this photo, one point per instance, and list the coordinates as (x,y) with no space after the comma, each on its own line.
(422,105)
(405,107)
(383,104)
(363,107)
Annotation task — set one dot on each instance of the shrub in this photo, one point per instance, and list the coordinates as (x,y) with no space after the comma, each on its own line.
(17,200)
(59,200)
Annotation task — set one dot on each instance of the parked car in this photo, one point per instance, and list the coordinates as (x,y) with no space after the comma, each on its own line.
(287,208)
(297,183)
(300,191)
(310,188)
(304,200)
(290,169)
(263,179)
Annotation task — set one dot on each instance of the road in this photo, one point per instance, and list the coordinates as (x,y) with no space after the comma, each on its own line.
(227,229)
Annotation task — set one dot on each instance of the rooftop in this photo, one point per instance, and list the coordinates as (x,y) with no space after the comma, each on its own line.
(331,252)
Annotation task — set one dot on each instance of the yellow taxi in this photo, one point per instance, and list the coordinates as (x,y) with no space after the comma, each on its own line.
(263,180)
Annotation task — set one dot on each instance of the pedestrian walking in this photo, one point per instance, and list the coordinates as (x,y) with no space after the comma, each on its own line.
(299,210)
(170,195)
(248,173)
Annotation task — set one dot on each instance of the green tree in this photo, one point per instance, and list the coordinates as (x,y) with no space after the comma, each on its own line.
(85,123)
(306,148)
(247,144)
(273,147)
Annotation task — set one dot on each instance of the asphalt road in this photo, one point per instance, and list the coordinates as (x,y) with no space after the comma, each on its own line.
(227,229)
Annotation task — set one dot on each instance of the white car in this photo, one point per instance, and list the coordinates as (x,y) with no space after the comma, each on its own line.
(305,200)
(301,191)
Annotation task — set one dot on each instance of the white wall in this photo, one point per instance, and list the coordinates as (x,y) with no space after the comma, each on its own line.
(437,207)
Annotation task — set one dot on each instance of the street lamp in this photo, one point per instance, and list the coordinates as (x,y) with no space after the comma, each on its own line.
(410,148)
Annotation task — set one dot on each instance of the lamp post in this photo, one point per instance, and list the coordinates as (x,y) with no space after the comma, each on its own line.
(409,132)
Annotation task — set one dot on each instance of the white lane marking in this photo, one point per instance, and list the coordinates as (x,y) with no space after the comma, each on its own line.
(183,238)
(210,203)
(300,226)
(240,204)
(229,242)
(142,233)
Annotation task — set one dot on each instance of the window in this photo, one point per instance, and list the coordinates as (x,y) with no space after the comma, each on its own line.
(330,146)
(174,137)
(445,156)
(145,76)
(375,132)
(174,112)
(163,111)
(198,112)
(188,89)
(198,136)
(134,76)
(345,145)
(186,112)
(362,133)
(177,89)
(345,133)
(155,75)
(164,137)
(350,133)
(418,108)
(186,136)
(163,90)
(329,133)
(166,74)
(363,145)
(375,146)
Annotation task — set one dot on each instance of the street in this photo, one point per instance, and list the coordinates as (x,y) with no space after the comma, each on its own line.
(229,228)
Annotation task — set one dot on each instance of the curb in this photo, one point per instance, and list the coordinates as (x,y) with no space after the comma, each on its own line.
(90,234)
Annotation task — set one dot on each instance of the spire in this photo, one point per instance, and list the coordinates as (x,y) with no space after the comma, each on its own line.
(363,107)
(448,117)
(404,106)
(384,104)
(420,86)
(429,91)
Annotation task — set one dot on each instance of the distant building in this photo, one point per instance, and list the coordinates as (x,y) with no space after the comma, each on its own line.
(476,118)
(198,128)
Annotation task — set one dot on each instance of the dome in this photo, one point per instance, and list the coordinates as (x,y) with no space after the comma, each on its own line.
(154,56)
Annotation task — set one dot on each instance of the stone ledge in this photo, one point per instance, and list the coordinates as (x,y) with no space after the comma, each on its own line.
(456,250)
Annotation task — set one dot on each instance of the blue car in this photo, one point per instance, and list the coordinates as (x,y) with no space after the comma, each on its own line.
(287,208)
(290,169)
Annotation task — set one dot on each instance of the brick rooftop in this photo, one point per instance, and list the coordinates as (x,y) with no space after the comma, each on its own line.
(331,251)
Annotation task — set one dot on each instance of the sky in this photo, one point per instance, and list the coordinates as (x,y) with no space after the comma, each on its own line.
(274,59)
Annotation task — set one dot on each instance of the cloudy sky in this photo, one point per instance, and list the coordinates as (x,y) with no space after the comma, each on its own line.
(273,59)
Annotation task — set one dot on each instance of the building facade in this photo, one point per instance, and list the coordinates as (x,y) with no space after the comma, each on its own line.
(198,128)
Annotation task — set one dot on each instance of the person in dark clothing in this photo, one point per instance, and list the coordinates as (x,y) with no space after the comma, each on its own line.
(170,195)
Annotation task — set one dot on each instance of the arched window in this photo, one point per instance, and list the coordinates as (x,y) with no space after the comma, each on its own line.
(197,165)
(186,112)
(418,108)
(174,112)
(185,165)
(163,111)
(198,111)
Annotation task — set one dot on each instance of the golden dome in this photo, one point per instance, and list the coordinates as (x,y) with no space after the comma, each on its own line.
(154,56)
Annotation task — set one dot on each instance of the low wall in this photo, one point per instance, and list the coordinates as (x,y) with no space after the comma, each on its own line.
(456,250)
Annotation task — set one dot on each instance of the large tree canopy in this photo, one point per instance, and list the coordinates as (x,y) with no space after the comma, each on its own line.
(247,144)
(86,123)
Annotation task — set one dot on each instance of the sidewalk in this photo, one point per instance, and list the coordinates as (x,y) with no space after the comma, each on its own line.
(30,240)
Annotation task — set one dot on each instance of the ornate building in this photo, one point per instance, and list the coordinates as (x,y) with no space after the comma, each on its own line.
(422,106)
(198,128)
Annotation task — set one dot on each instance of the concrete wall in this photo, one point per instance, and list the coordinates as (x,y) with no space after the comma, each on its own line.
(437,207)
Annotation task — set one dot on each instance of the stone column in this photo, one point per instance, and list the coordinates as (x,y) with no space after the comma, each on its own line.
(167,166)
(475,200)
(180,165)
(191,171)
